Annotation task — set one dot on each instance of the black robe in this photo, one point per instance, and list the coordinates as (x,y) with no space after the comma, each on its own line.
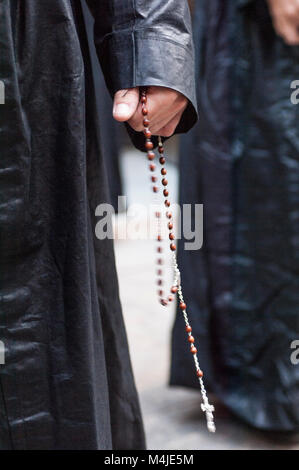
(67,381)
(242,163)
(112,132)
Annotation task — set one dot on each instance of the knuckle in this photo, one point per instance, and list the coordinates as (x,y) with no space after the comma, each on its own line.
(135,126)
(292,42)
(168,131)
(182,100)
(291,39)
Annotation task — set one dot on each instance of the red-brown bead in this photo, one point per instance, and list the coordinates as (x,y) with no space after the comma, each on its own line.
(152,167)
(168,215)
(199,373)
(164,182)
(147,133)
(144,111)
(154,179)
(173,247)
(170,225)
(191,339)
(166,192)
(149,145)
(150,155)
(171,236)
(161,149)
(174,289)
(183,306)
(143,99)
(193,350)
(188,329)
(146,122)
(162,160)
(167,203)
(163,171)
(155,189)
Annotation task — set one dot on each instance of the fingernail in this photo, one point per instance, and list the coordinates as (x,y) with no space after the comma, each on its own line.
(122,110)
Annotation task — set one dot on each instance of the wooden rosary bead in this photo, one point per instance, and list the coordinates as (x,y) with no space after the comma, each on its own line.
(168,215)
(151,155)
(164,182)
(153,179)
(152,167)
(183,306)
(193,350)
(170,225)
(173,247)
(191,339)
(162,160)
(166,192)
(171,236)
(144,111)
(155,189)
(143,99)
(163,171)
(199,373)
(188,329)
(174,289)
(170,298)
(147,133)
(146,122)
(167,203)
(161,149)
(149,145)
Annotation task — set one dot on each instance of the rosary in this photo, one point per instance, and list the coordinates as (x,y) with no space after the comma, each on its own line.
(176,287)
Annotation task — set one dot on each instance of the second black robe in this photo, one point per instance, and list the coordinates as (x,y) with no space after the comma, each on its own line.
(242,163)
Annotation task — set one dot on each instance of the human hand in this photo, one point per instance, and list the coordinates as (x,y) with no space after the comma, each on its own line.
(165,109)
(285,15)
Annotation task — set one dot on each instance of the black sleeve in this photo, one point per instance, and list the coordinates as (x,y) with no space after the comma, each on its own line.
(147,42)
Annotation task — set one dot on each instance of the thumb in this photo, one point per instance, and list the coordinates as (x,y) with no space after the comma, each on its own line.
(125,104)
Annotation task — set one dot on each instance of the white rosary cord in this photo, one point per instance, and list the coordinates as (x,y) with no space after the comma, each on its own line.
(205,406)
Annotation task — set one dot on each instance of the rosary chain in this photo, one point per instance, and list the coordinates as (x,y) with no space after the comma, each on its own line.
(176,287)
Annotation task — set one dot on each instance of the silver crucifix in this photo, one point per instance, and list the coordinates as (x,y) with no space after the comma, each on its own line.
(208,410)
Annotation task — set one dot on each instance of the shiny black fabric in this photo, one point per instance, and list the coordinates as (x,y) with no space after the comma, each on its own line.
(242,163)
(111,131)
(67,381)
